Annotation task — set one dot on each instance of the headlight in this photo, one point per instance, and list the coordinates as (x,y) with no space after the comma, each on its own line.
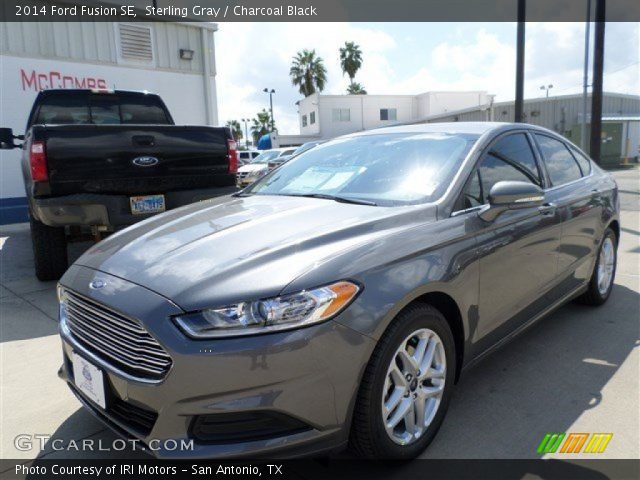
(279,313)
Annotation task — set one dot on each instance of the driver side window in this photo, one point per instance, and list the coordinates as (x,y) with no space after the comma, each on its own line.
(510,158)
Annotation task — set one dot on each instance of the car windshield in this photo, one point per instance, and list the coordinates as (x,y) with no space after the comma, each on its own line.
(266,156)
(385,169)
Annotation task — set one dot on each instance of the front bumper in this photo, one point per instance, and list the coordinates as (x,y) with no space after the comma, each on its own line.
(304,378)
(109,210)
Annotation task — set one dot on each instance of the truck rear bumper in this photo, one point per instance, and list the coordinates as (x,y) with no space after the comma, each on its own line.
(109,210)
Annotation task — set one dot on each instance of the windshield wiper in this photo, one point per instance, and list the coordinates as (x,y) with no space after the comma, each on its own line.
(337,198)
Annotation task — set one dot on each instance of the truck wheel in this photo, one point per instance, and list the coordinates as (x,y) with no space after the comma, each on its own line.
(49,250)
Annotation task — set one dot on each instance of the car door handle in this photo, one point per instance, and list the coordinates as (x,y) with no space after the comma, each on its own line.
(547,208)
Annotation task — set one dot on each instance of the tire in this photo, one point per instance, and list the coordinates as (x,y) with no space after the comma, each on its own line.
(595,294)
(369,437)
(49,250)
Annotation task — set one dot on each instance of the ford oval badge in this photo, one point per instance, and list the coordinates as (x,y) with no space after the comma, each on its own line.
(145,161)
(96,284)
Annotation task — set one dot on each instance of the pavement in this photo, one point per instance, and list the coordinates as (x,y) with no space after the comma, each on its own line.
(577,370)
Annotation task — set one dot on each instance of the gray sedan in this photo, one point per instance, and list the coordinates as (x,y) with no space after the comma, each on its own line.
(337,300)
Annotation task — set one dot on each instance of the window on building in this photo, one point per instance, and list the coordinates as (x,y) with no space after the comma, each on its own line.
(561,165)
(312,118)
(510,158)
(341,115)
(304,120)
(388,114)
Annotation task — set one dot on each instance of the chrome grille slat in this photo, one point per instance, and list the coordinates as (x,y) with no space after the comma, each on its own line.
(119,340)
(153,346)
(114,356)
(107,317)
(131,356)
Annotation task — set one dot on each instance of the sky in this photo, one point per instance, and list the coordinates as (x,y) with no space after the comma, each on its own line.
(411,58)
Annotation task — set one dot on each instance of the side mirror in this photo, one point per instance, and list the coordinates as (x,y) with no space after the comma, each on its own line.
(511,196)
(6,139)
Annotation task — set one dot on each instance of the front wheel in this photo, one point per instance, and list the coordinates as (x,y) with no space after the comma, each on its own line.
(406,387)
(604,271)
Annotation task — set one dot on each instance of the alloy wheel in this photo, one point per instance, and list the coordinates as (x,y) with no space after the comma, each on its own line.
(413,387)
(606,264)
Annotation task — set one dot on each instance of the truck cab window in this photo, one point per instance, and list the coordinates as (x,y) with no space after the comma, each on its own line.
(63,111)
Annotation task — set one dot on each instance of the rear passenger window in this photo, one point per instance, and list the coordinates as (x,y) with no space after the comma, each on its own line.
(510,158)
(561,165)
(584,162)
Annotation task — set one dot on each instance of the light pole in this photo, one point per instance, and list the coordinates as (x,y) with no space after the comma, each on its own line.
(547,88)
(246,132)
(270,92)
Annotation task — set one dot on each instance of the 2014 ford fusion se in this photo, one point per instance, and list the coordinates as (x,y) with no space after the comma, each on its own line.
(337,300)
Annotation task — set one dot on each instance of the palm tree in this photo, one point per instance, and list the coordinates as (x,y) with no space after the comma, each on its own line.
(261,125)
(308,72)
(350,59)
(236,129)
(356,88)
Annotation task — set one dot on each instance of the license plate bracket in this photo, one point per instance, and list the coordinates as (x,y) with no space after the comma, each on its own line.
(90,380)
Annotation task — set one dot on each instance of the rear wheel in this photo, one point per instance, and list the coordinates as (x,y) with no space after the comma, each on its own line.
(406,387)
(49,250)
(604,271)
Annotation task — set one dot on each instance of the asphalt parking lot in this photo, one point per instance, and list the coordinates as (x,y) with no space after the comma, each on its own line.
(575,371)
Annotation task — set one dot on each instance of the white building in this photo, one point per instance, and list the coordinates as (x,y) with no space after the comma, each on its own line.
(327,116)
(175,60)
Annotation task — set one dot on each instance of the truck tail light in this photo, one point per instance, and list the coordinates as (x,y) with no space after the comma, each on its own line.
(233,156)
(38,162)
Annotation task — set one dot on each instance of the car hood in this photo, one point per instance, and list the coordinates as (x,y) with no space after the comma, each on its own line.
(231,249)
(252,167)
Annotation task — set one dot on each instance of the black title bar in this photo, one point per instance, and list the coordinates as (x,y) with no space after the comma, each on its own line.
(309,10)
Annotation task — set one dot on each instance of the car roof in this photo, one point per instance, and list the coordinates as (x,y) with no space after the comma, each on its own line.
(477,128)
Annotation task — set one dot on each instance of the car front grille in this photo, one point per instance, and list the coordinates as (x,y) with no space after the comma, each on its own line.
(116,339)
(242,174)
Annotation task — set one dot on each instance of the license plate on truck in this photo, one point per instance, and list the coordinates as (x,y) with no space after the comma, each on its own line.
(147,204)
(89,379)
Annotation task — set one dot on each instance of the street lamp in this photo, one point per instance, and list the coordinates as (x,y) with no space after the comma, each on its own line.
(246,132)
(270,92)
(547,88)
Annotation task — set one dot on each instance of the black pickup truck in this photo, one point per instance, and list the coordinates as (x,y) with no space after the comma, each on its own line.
(95,161)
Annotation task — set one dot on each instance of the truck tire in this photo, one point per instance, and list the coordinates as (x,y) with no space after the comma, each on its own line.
(49,250)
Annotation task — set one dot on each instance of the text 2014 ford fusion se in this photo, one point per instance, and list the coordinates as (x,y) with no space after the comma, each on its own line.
(336,300)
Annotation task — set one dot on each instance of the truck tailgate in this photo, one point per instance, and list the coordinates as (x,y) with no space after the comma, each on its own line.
(135,159)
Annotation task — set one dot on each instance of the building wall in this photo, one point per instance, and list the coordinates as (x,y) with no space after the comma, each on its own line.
(97,43)
(365,110)
(434,103)
(37,56)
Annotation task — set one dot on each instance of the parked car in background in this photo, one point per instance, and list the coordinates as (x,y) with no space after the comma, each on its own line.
(100,160)
(288,154)
(337,299)
(246,156)
(247,174)
(285,155)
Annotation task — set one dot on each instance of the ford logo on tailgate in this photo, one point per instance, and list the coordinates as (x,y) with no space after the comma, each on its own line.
(145,161)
